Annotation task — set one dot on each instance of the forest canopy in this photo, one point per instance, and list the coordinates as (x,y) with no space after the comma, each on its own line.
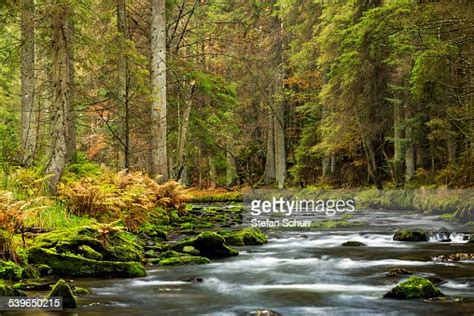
(232,92)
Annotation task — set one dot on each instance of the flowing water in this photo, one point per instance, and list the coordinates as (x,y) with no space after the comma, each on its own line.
(300,273)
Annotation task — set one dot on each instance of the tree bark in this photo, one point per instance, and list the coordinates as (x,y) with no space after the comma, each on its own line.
(61,94)
(231,171)
(123,83)
(269,174)
(71,119)
(397,140)
(159,157)
(28,113)
(410,147)
(180,166)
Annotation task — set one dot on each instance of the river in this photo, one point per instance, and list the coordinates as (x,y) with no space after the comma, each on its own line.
(300,272)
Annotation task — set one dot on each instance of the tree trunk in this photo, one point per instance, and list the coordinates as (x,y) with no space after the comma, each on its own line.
(451,143)
(71,121)
(123,83)
(410,148)
(280,151)
(28,113)
(231,171)
(212,173)
(180,166)
(61,94)
(159,157)
(270,173)
(397,141)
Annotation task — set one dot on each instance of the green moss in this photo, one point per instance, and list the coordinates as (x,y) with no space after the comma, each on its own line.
(219,197)
(9,291)
(62,289)
(247,236)
(411,235)
(9,270)
(92,243)
(67,264)
(190,250)
(89,252)
(183,260)
(414,288)
(81,291)
(212,245)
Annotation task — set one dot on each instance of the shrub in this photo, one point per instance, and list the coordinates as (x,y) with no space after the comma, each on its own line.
(131,197)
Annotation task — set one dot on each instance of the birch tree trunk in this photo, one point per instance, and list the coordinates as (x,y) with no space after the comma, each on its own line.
(28,113)
(159,156)
(61,94)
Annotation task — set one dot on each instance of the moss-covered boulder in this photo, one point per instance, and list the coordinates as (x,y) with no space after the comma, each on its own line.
(211,245)
(62,289)
(190,250)
(171,257)
(411,235)
(6,290)
(246,236)
(112,243)
(89,252)
(81,291)
(353,243)
(94,251)
(68,264)
(9,270)
(414,288)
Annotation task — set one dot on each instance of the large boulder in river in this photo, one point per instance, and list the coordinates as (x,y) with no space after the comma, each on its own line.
(63,290)
(414,288)
(209,245)
(95,251)
(411,235)
(246,236)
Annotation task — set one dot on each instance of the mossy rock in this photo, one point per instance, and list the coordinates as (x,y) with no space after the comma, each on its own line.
(414,288)
(353,243)
(92,243)
(6,290)
(33,286)
(190,250)
(74,265)
(62,289)
(398,271)
(411,235)
(89,252)
(212,245)
(9,270)
(156,232)
(247,236)
(81,291)
(183,260)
